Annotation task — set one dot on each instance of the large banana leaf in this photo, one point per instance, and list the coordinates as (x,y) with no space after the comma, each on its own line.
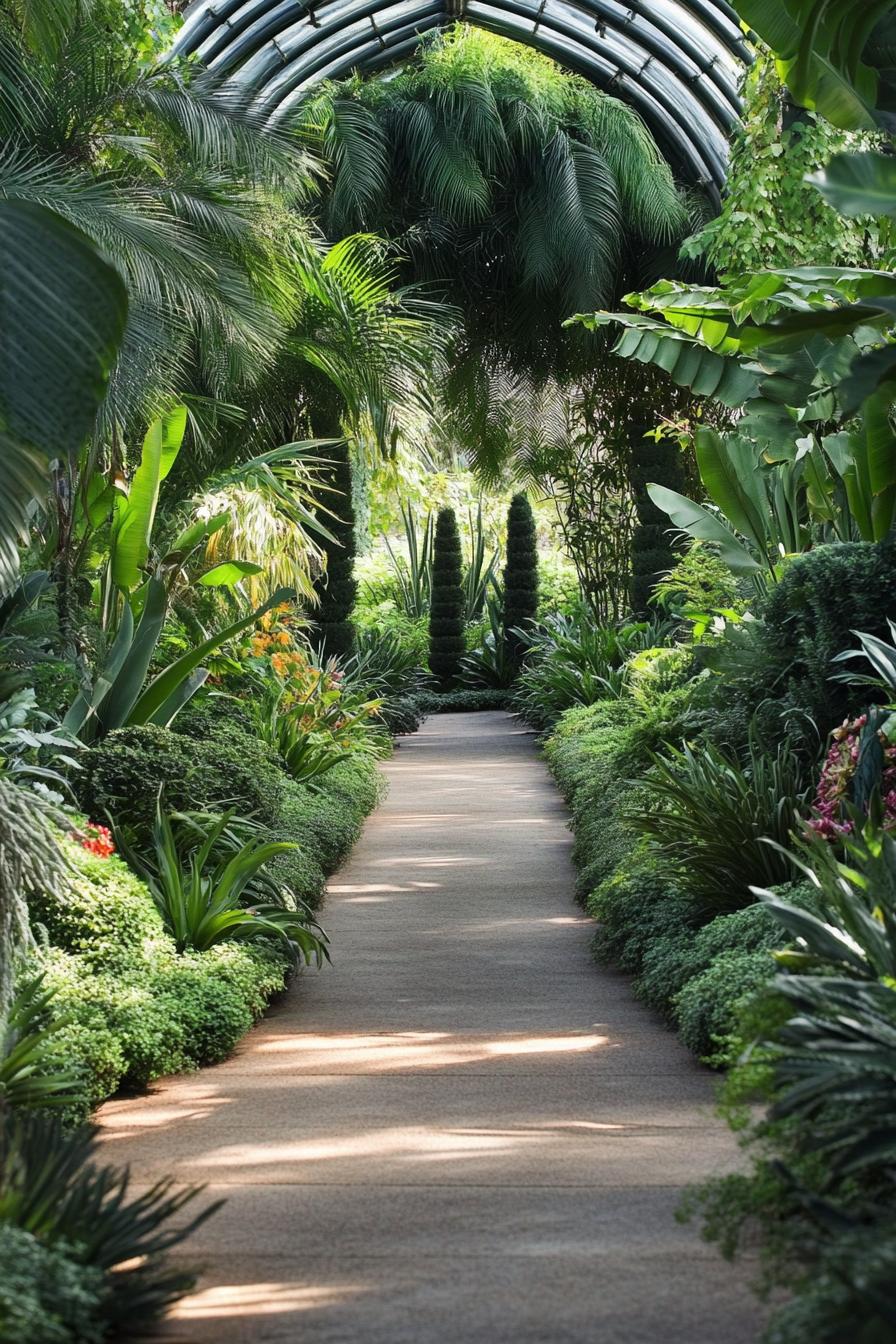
(62,317)
(820,44)
(859,184)
(730,472)
(228,573)
(698,522)
(865,459)
(135,514)
(688,362)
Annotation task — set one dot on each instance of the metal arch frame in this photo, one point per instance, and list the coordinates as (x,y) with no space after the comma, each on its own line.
(706,164)
(686,94)
(372,57)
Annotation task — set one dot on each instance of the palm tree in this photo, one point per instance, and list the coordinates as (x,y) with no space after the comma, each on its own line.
(529,194)
(170,179)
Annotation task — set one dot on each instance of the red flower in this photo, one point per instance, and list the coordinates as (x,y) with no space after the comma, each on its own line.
(95,839)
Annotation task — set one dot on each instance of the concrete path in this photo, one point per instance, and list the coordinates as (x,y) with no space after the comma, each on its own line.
(462,1132)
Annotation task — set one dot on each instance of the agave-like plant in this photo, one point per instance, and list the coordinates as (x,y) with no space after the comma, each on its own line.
(834,1057)
(51,1187)
(490,664)
(481,568)
(27,1078)
(412,577)
(204,890)
(712,814)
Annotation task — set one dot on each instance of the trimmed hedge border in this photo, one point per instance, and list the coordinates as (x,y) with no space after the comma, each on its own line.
(134,1009)
(696,973)
(461,702)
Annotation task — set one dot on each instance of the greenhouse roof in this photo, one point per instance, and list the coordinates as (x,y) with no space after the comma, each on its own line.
(677,61)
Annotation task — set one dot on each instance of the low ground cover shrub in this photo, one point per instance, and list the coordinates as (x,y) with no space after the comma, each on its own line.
(46,1295)
(134,1008)
(671,963)
(684,923)
(462,702)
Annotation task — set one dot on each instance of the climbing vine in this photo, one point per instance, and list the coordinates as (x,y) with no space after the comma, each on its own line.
(771,217)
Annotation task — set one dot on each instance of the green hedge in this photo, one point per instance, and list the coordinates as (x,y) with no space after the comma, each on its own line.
(135,1010)
(694,970)
(46,1295)
(122,775)
(461,702)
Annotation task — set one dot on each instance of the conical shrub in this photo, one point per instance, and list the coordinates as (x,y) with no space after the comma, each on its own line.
(447,603)
(654,549)
(337,587)
(520,574)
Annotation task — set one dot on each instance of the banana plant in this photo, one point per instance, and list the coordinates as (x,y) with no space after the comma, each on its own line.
(133,509)
(760,511)
(833,54)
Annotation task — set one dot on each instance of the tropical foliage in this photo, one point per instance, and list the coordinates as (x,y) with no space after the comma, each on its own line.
(271,393)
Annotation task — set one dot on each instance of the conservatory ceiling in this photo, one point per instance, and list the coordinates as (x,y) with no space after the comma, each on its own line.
(677,61)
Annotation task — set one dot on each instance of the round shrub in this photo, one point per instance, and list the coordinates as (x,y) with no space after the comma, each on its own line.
(808,619)
(46,1296)
(299,870)
(126,1007)
(706,1009)
(672,961)
(357,780)
(634,908)
(325,825)
(216,996)
(102,911)
(215,715)
(86,1041)
(121,776)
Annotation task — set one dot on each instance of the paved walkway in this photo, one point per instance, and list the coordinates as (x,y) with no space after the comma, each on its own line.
(462,1132)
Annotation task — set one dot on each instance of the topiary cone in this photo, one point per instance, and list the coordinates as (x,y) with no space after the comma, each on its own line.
(520,574)
(447,603)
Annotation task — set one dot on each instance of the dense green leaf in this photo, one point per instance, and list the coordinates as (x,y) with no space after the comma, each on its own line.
(859,184)
(135,513)
(62,316)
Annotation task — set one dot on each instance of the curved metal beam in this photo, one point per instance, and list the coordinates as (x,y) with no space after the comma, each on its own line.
(632,48)
(372,57)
